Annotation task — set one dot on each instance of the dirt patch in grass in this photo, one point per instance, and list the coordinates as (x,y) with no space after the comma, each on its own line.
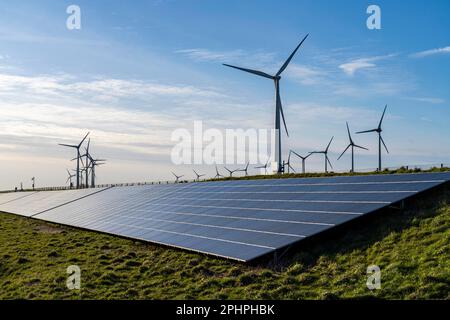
(47,228)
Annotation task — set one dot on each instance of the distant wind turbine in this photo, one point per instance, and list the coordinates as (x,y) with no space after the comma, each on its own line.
(198,175)
(264,166)
(325,153)
(218,175)
(231,171)
(94,163)
(245,169)
(303,160)
(279,108)
(352,145)
(380,139)
(69,178)
(288,164)
(177,178)
(77,147)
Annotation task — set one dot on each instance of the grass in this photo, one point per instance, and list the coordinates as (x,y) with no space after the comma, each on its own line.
(411,247)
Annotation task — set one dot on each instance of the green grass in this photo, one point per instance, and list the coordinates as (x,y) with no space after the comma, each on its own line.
(411,247)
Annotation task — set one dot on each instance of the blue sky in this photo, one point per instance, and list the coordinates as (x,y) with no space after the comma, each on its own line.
(137,71)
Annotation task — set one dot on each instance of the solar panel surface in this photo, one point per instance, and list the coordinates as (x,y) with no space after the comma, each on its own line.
(32,203)
(11,196)
(239,219)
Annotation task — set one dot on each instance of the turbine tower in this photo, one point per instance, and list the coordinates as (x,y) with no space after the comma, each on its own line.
(325,153)
(303,160)
(352,145)
(278,106)
(380,138)
(78,146)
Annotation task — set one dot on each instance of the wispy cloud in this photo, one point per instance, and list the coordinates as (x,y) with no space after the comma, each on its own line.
(305,74)
(362,63)
(431,52)
(427,100)
(242,57)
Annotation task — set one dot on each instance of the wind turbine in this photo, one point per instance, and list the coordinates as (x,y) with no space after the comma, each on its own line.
(198,175)
(380,139)
(69,178)
(325,153)
(279,108)
(245,169)
(33,179)
(303,160)
(94,163)
(352,145)
(218,175)
(177,177)
(231,171)
(78,156)
(288,163)
(264,166)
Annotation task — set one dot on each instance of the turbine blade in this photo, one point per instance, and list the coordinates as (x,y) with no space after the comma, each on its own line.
(291,167)
(356,146)
(344,151)
(297,154)
(79,145)
(290,57)
(381,120)
(329,162)
(384,144)
(329,143)
(349,135)
(258,73)
(67,145)
(366,131)
(284,120)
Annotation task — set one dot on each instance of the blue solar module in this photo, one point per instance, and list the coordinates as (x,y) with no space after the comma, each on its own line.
(32,203)
(238,219)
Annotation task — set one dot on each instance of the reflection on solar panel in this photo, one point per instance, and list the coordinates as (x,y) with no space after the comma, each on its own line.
(240,219)
(32,203)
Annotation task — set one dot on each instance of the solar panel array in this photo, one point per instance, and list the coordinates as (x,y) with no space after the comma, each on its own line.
(237,219)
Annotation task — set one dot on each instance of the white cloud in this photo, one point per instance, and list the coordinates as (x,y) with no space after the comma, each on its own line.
(259,59)
(304,74)
(362,63)
(427,100)
(431,52)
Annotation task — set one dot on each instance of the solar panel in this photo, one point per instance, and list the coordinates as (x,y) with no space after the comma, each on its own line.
(32,203)
(238,219)
(11,196)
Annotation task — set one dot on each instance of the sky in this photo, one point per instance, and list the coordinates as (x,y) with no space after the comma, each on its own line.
(137,71)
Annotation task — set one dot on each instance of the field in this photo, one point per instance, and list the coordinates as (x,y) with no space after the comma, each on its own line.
(411,247)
